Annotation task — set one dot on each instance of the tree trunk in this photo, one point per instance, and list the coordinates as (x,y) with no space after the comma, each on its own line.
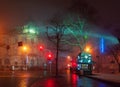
(119,68)
(57,53)
(57,63)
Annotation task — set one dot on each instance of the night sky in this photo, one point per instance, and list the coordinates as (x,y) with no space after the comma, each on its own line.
(14,13)
(109,14)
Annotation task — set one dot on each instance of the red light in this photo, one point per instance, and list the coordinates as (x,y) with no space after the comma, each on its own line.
(74,64)
(40,47)
(74,78)
(49,56)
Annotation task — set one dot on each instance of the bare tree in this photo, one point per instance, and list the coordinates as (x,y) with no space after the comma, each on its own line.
(76,30)
(55,33)
(71,31)
(115,51)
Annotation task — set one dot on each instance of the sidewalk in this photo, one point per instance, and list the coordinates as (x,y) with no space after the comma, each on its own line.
(111,78)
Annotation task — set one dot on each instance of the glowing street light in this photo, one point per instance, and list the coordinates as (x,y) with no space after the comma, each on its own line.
(88,49)
(68,57)
(24,48)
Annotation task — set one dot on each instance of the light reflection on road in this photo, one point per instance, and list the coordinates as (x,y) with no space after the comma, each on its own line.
(41,79)
(81,81)
(50,83)
(68,75)
(23,83)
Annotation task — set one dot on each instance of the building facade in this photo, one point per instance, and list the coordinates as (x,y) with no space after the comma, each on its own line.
(21,50)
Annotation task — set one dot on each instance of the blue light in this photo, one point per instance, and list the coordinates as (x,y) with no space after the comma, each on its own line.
(89,61)
(102,45)
(81,61)
(78,66)
(78,57)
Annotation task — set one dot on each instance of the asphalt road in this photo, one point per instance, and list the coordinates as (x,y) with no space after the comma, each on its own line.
(43,79)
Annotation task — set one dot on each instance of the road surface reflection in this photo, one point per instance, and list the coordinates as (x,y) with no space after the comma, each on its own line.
(41,79)
(70,80)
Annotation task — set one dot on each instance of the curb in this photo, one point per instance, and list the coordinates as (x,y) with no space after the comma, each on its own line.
(116,84)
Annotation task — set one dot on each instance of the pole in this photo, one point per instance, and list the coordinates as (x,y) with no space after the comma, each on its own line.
(26,62)
(50,66)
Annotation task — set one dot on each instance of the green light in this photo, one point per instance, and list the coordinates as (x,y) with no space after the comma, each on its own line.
(25,31)
(32,31)
(30,28)
(85,36)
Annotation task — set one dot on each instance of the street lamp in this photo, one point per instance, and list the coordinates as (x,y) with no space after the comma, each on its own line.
(25,50)
(87,49)
(69,58)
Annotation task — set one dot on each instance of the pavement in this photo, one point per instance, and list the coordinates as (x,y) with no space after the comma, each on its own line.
(110,78)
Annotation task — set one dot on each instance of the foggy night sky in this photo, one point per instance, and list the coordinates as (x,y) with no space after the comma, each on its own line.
(14,12)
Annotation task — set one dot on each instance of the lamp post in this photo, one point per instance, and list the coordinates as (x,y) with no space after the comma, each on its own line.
(25,49)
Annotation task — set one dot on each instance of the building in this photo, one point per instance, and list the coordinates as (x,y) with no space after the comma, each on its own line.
(21,49)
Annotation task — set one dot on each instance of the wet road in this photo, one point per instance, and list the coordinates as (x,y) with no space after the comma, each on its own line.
(42,79)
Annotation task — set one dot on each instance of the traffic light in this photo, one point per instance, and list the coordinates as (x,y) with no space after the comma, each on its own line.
(20,43)
(49,56)
(74,64)
(41,47)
